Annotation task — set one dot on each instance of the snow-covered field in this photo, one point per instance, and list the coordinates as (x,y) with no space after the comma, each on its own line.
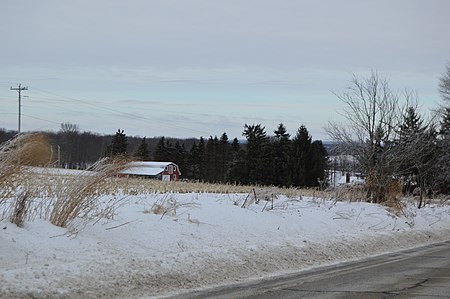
(204,240)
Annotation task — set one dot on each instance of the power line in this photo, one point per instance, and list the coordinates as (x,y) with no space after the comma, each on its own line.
(42,119)
(19,90)
(133,116)
(100,107)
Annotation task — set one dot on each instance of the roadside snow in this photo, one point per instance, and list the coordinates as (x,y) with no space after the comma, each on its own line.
(210,240)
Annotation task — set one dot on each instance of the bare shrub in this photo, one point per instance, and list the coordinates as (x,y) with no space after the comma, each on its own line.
(80,197)
(168,205)
(267,194)
(394,201)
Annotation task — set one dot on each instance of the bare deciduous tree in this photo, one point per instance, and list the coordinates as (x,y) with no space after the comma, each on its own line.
(374,113)
(69,132)
(68,128)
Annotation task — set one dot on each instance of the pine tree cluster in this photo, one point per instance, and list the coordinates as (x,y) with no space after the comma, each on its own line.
(264,160)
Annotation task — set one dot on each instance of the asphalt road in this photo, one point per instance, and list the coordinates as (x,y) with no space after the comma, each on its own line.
(418,273)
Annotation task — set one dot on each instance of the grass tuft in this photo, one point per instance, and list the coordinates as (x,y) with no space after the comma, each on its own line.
(15,156)
(80,197)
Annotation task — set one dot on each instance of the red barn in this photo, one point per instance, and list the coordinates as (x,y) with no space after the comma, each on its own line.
(165,171)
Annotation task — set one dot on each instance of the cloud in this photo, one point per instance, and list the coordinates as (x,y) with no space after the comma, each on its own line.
(205,60)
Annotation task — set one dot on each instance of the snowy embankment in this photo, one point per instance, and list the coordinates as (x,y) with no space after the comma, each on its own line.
(204,240)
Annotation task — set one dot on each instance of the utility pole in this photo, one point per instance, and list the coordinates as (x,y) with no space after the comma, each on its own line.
(19,90)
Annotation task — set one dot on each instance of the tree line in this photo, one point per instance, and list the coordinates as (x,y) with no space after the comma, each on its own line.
(76,149)
(260,159)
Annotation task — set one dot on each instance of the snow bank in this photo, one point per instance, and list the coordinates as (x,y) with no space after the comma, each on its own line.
(208,240)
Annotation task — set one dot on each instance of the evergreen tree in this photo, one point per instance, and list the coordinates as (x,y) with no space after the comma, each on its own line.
(378,148)
(235,146)
(201,158)
(163,151)
(417,148)
(412,124)
(319,164)
(444,141)
(142,152)
(280,157)
(425,162)
(236,168)
(180,157)
(300,163)
(224,149)
(442,173)
(190,169)
(196,157)
(257,155)
(118,146)
(212,160)
(444,131)
(411,132)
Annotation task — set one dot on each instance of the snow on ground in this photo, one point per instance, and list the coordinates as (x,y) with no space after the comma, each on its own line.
(210,240)
(57,171)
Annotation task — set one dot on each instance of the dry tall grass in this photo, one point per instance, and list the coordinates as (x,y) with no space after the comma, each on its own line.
(79,197)
(20,209)
(148,186)
(15,154)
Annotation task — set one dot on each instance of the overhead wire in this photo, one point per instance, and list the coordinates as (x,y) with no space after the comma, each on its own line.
(55,97)
(103,108)
(42,119)
(100,107)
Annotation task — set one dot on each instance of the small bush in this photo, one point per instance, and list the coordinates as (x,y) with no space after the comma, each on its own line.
(168,205)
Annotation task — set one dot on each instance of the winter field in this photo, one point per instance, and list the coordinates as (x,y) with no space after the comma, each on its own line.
(146,239)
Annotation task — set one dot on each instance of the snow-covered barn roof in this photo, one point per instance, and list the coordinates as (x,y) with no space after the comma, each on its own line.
(146,168)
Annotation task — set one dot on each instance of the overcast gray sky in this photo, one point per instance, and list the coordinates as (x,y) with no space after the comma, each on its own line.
(201,67)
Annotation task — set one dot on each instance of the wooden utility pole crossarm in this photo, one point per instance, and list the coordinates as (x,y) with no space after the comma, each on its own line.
(19,90)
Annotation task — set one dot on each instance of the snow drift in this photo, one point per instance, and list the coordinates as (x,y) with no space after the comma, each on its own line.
(202,240)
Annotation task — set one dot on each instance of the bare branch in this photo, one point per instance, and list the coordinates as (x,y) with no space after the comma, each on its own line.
(444,84)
